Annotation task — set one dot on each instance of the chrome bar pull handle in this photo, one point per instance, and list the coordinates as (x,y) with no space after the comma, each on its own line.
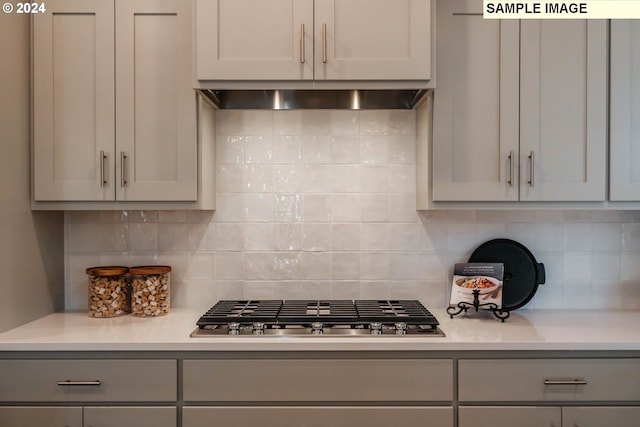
(565,381)
(511,169)
(103,159)
(123,168)
(324,43)
(71,382)
(302,45)
(531,163)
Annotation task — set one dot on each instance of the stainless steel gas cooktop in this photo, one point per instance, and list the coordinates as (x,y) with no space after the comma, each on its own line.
(332,318)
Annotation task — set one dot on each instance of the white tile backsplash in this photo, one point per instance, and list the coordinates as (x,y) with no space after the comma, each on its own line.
(321,204)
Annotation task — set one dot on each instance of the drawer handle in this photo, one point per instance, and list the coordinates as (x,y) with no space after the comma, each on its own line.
(565,381)
(70,382)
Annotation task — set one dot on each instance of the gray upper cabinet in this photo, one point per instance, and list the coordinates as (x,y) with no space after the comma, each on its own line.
(475,128)
(563,110)
(114,110)
(624,175)
(520,109)
(306,40)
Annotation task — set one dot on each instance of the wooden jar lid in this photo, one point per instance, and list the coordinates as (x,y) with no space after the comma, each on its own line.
(111,270)
(150,269)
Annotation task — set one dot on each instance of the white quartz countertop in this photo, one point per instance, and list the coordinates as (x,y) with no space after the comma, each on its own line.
(531,330)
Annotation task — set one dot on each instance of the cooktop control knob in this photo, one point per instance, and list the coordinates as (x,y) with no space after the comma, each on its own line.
(376,328)
(401,328)
(234,328)
(258,328)
(317,328)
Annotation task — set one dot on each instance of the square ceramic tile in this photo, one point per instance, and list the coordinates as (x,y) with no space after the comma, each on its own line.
(230,150)
(316,122)
(201,266)
(375,265)
(287,266)
(287,122)
(316,179)
(316,237)
(229,236)
(258,207)
(287,237)
(374,150)
(288,207)
(344,122)
(346,237)
(259,265)
(230,207)
(345,149)
(229,179)
(316,265)
(229,265)
(258,178)
(258,236)
(317,208)
(287,178)
(374,207)
(172,237)
(287,149)
(258,149)
(316,149)
(374,179)
(344,178)
(345,208)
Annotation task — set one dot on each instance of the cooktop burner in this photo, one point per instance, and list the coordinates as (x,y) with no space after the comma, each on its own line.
(318,317)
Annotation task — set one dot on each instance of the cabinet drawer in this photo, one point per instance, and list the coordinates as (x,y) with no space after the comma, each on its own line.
(49,416)
(512,380)
(318,380)
(138,416)
(107,380)
(406,416)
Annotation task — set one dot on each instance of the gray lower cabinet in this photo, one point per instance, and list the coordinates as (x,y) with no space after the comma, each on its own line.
(318,392)
(406,416)
(36,416)
(549,392)
(135,416)
(548,416)
(601,416)
(506,416)
(132,393)
(76,416)
(87,380)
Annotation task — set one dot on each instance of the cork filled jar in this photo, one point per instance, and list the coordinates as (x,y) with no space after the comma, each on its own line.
(108,293)
(150,290)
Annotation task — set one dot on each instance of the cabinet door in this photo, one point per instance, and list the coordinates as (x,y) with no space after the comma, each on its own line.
(405,416)
(30,416)
(254,39)
(563,110)
(73,104)
(155,103)
(111,416)
(624,175)
(475,129)
(598,417)
(372,39)
(520,416)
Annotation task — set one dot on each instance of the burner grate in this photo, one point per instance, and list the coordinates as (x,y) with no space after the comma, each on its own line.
(327,312)
(248,311)
(389,311)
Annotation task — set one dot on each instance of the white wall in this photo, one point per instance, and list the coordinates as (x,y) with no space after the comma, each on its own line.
(31,244)
(321,204)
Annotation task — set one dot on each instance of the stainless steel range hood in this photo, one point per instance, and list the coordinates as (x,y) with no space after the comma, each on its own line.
(314,99)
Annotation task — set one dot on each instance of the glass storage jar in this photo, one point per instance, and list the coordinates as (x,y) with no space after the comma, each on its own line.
(150,290)
(108,293)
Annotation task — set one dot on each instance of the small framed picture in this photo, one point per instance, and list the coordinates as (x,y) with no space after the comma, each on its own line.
(485,278)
